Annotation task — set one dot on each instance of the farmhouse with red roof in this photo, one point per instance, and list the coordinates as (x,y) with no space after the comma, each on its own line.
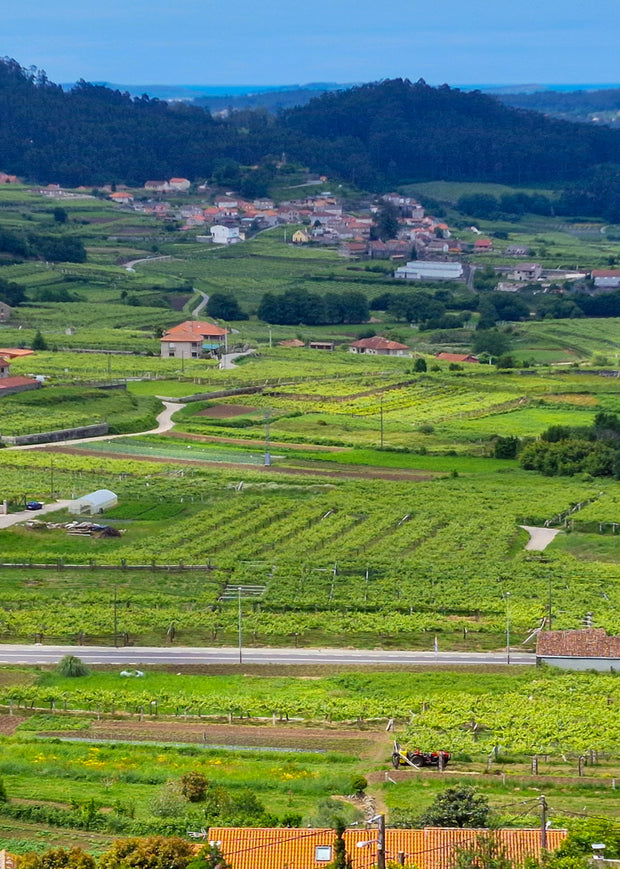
(192,339)
(378,346)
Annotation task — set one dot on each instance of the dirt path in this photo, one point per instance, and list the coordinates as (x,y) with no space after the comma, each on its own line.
(540,538)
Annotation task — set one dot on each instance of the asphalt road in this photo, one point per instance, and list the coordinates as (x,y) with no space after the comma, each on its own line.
(8,519)
(40,654)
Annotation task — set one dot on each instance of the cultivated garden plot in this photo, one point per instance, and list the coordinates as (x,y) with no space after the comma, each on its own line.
(103,755)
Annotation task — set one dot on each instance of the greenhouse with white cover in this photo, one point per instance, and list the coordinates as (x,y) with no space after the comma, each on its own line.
(93,503)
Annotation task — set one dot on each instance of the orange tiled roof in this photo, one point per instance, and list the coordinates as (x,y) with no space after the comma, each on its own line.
(195,329)
(456,357)
(430,848)
(14,352)
(378,343)
(11,382)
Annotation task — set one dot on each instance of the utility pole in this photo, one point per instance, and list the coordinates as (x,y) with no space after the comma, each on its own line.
(381,842)
(267,461)
(508,627)
(240,628)
(543,822)
(549,607)
(115,620)
(381,414)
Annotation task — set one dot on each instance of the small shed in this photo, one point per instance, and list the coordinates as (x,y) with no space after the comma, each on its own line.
(93,503)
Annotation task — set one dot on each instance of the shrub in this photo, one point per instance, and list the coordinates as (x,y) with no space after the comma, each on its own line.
(358,785)
(72,666)
(194,786)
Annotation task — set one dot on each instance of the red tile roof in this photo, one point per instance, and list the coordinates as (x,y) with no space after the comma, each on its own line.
(456,357)
(14,352)
(378,343)
(194,330)
(606,273)
(431,848)
(586,643)
(12,382)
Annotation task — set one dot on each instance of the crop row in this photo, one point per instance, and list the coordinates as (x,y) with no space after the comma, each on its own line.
(535,715)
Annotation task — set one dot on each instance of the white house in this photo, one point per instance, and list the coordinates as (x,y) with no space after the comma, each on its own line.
(225,234)
(418,270)
(379,346)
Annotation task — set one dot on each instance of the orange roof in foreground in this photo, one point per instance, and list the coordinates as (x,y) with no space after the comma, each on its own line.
(430,848)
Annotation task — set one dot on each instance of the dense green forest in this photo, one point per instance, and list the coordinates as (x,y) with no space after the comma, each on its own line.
(601,106)
(376,136)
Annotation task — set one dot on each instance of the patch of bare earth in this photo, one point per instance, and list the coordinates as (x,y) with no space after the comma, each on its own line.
(255,736)
(343,472)
(9,724)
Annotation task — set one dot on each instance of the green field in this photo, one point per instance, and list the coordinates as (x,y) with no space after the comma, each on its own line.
(294,741)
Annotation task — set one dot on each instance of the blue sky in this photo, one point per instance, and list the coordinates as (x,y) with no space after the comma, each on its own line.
(288,42)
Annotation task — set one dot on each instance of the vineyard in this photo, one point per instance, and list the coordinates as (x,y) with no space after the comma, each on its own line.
(433,708)
(343,561)
(69,407)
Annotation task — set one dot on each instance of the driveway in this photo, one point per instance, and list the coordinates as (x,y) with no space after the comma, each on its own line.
(23,515)
(164,423)
(540,538)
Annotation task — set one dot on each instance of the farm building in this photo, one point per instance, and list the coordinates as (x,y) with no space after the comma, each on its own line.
(418,270)
(430,848)
(587,649)
(378,346)
(192,339)
(93,503)
(606,279)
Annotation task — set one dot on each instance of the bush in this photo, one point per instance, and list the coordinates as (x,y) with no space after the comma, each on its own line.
(194,786)
(72,667)
(358,785)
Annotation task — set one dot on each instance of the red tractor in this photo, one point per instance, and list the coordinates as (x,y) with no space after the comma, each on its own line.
(419,759)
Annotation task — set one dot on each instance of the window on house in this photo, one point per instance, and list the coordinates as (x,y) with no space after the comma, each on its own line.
(323,853)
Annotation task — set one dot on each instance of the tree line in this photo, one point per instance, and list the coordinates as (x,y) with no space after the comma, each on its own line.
(376,136)
(565,451)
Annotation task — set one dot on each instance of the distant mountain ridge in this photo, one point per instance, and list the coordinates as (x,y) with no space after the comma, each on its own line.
(377,136)
(576,102)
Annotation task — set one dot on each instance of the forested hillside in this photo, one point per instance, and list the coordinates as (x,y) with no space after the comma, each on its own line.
(376,136)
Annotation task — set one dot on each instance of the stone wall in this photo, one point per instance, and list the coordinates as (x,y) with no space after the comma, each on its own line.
(65,434)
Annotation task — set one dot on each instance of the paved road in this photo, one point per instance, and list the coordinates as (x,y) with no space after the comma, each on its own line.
(164,423)
(204,301)
(40,654)
(22,515)
(540,538)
